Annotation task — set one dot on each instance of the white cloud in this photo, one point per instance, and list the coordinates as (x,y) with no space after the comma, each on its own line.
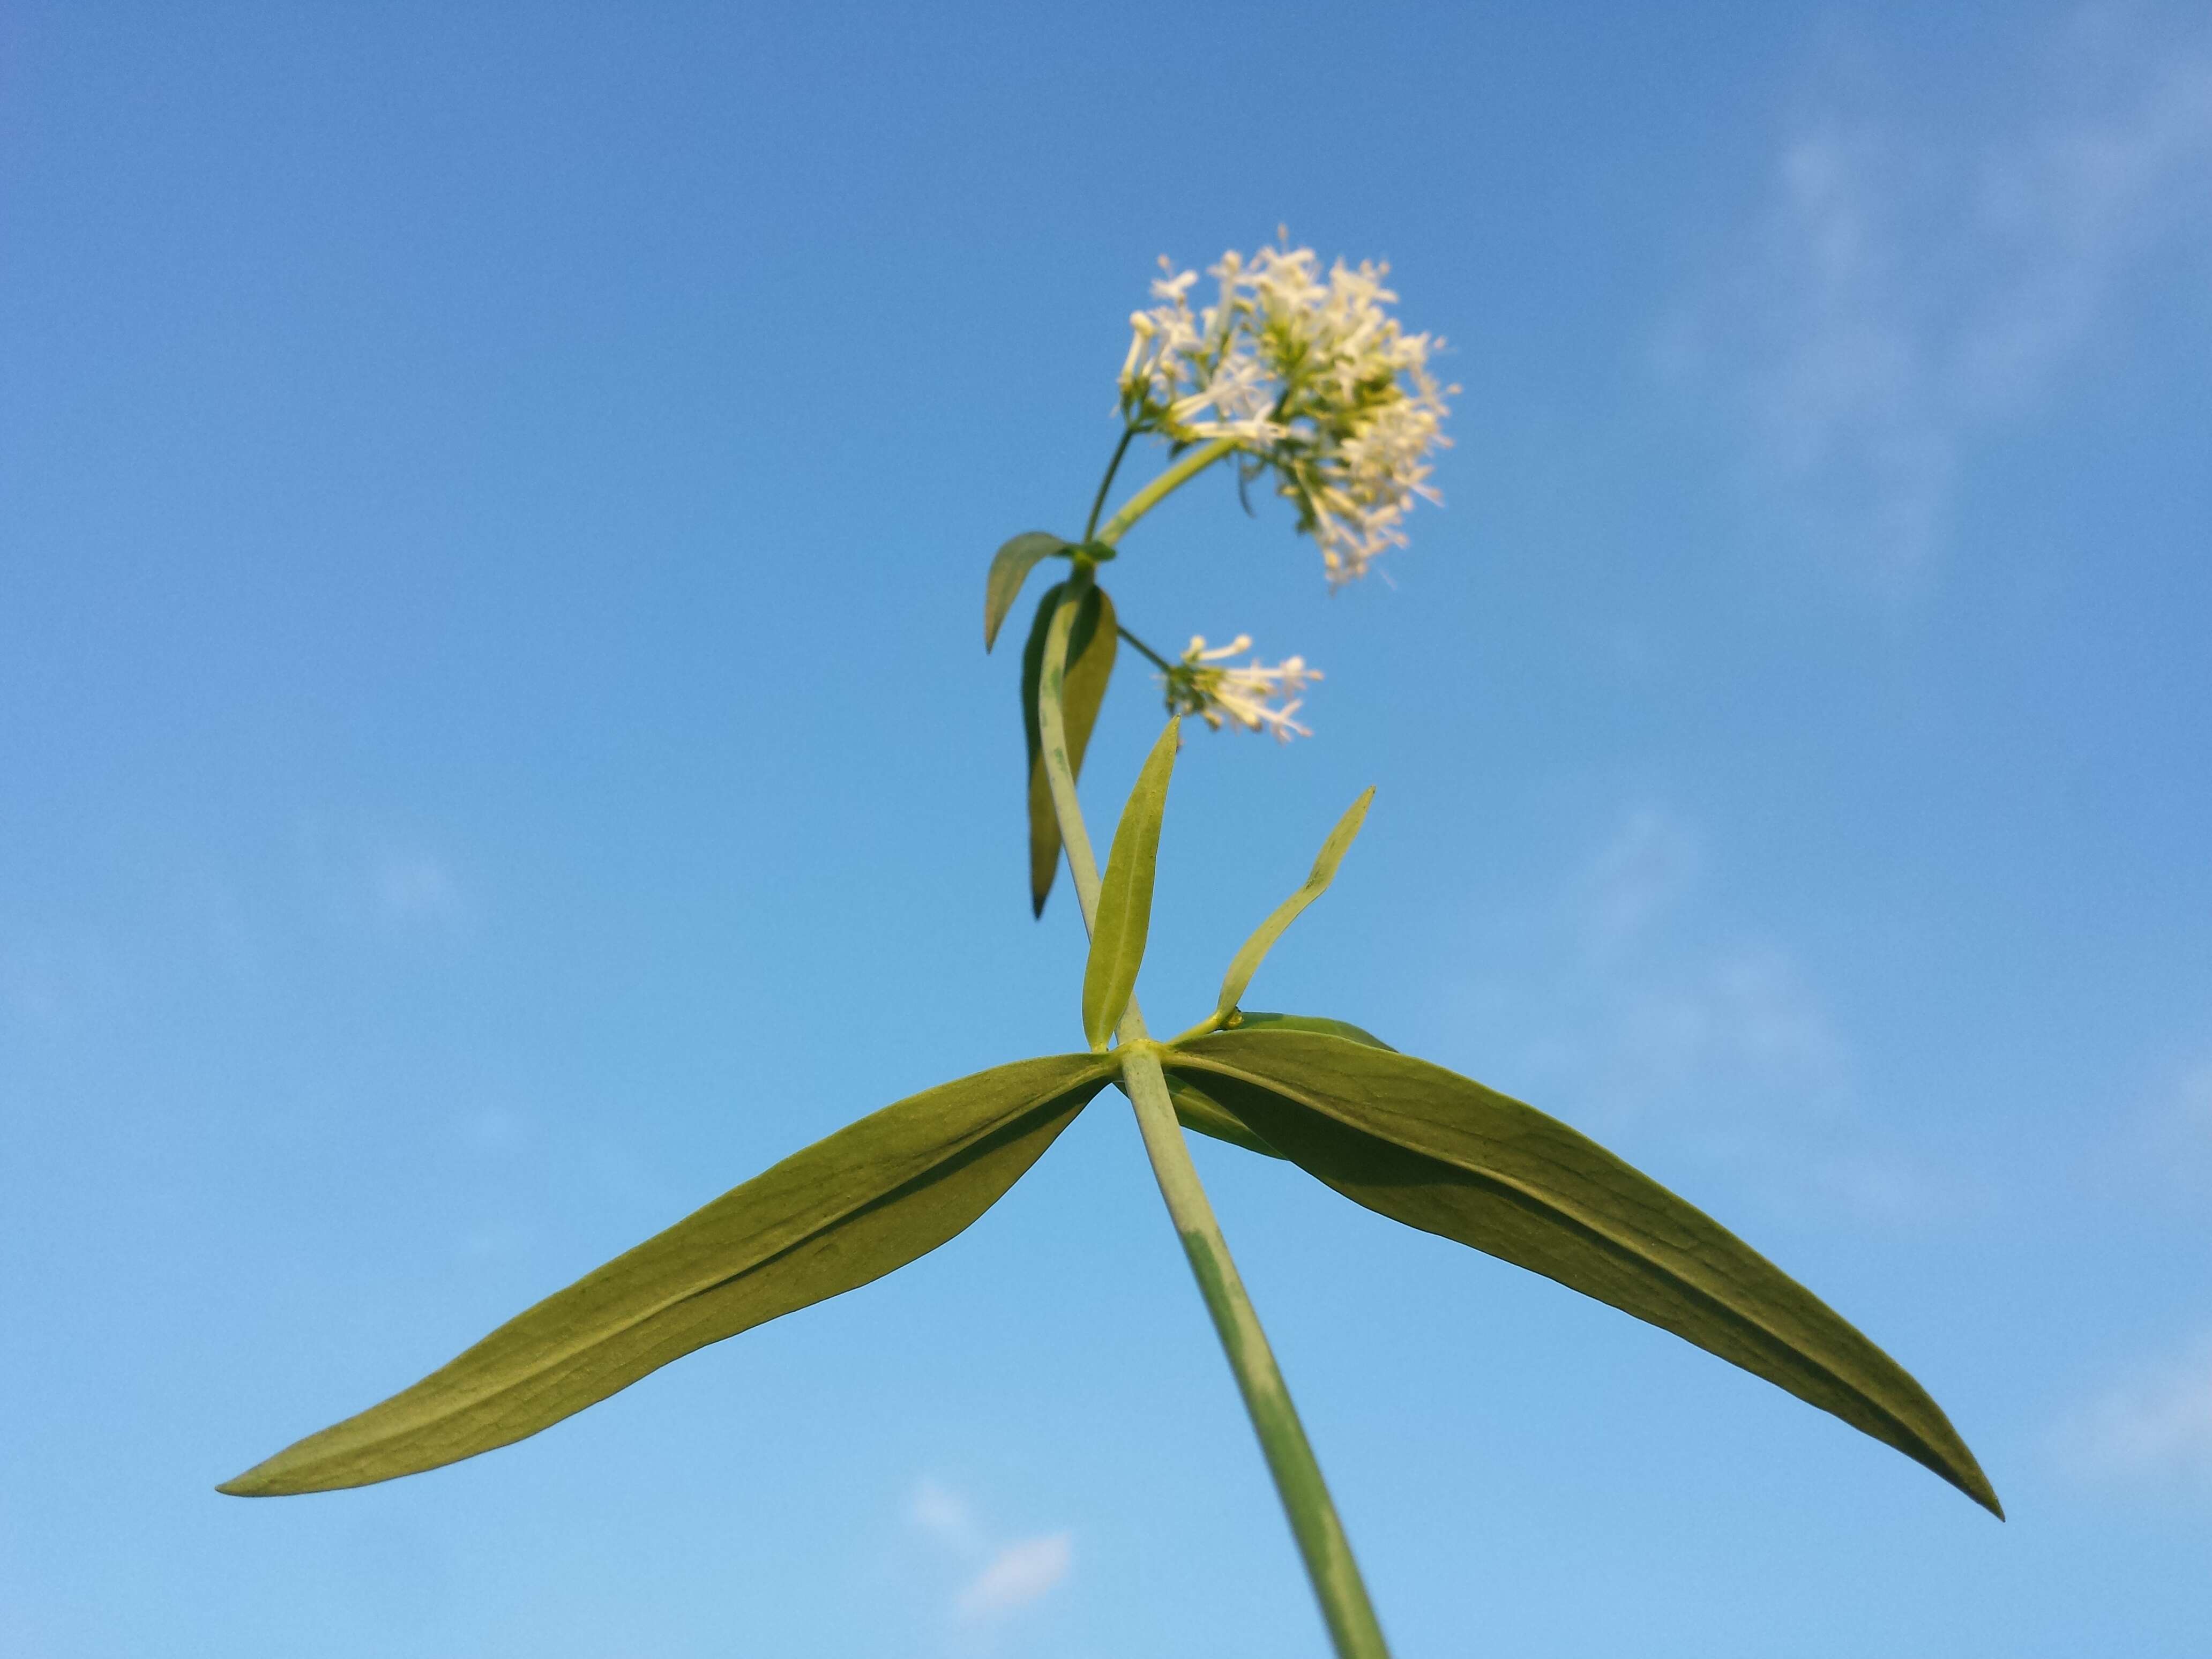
(492,1129)
(2164,1146)
(2187,1121)
(1689,1021)
(415,888)
(494,1241)
(945,1514)
(998,1579)
(1018,1575)
(371,885)
(1635,1004)
(1740,1015)
(1905,289)
(2154,1426)
(1635,878)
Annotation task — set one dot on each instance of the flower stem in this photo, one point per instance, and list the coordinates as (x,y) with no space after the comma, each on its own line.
(1099,501)
(1157,660)
(1322,1542)
(1158,490)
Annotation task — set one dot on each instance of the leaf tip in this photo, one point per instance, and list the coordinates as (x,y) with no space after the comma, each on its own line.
(254,1483)
(1972,1481)
(1165,748)
(1010,568)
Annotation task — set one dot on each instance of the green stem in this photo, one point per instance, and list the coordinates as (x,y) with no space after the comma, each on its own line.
(1157,660)
(1322,1542)
(1158,490)
(1099,501)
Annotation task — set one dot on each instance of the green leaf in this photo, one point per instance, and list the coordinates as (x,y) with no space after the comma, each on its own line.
(1197,1110)
(1248,960)
(1091,642)
(851,1208)
(1431,1149)
(1125,895)
(1249,1019)
(1010,568)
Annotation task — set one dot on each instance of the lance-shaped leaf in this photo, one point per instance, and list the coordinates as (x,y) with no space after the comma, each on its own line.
(1198,1111)
(1254,952)
(1092,643)
(1010,568)
(1125,895)
(1431,1149)
(1251,1019)
(850,1208)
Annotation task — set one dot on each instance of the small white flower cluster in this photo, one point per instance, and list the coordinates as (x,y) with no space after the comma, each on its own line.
(1203,684)
(1312,376)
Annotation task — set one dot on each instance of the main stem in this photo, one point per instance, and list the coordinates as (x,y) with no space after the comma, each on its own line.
(1322,1542)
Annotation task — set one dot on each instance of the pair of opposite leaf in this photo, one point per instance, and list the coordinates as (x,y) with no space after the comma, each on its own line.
(1409,1140)
(1092,640)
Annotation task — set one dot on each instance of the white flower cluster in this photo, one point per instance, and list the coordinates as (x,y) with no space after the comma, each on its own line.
(1256,696)
(1311,377)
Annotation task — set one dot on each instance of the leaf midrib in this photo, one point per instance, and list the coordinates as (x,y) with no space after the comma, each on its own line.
(516,1379)
(1573,1215)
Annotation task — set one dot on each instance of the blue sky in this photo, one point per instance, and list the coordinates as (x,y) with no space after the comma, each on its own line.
(493,509)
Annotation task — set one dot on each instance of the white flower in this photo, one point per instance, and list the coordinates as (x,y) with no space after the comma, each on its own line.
(1312,376)
(1203,684)
(1193,377)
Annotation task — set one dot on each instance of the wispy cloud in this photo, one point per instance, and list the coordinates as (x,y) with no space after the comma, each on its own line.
(1018,1575)
(415,889)
(1690,1023)
(1905,289)
(2183,1129)
(1635,878)
(945,1515)
(398,889)
(2151,1427)
(1734,1016)
(998,1579)
(2161,1149)
(1639,1005)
